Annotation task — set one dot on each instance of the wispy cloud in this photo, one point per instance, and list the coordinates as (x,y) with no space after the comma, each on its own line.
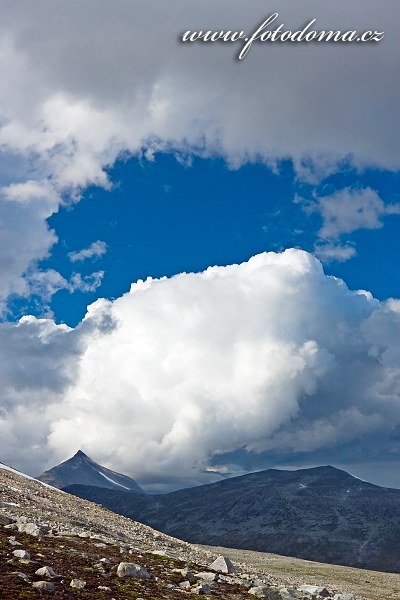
(95,250)
(348,210)
(335,252)
(87,283)
(345,211)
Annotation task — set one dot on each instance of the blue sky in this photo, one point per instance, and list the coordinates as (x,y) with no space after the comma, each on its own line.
(170,219)
(162,217)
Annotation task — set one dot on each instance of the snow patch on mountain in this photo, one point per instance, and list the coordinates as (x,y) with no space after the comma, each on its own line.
(112,480)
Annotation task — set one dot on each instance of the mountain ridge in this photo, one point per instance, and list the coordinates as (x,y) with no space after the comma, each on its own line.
(322,514)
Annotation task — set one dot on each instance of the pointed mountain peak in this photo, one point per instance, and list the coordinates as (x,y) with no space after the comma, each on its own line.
(80,454)
(81,469)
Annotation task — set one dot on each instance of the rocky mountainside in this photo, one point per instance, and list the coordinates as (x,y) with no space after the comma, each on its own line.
(67,547)
(83,470)
(322,514)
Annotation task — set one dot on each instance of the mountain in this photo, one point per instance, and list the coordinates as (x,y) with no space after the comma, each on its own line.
(80,469)
(52,541)
(322,514)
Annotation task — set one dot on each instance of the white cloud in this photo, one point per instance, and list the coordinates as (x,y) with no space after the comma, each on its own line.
(350,209)
(71,105)
(46,283)
(88,283)
(334,252)
(25,234)
(343,212)
(95,250)
(268,355)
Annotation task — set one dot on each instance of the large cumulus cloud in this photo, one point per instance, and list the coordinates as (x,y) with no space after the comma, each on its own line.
(268,355)
(87,81)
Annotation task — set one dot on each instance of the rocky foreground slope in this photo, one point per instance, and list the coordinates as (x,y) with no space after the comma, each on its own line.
(53,543)
(322,514)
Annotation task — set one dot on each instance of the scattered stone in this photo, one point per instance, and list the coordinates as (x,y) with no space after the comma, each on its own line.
(263,591)
(104,588)
(315,590)
(202,589)
(78,584)
(186,573)
(165,553)
(47,572)
(184,585)
(13,542)
(287,593)
(126,569)
(84,534)
(11,527)
(22,554)
(182,572)
(22,576)
(105,560)
(344,596)
(234,580)
(100,568)
(222,564)
(31,529)
(44,586)
(206,576)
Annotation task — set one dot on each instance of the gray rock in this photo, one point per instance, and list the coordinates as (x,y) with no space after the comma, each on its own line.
(21,576)
(22,554)
(315,590)
(126,569)
(234,580)
(287,593)
(222,564)
(13,542)
(202,589)
(31,529)
(26,561)
(263,591)
(184,585)
(44,586)
(104,588)
(344,596)
(78,584)
(186,573)
(105,561)
(166,553)
(47,572)
(206,576)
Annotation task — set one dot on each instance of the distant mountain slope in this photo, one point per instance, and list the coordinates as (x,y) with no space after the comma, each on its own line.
(322,514)
(80,469)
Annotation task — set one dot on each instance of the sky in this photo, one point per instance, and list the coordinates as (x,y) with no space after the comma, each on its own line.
(199,254)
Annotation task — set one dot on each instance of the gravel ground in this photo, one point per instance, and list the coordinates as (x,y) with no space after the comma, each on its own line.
(374,585)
